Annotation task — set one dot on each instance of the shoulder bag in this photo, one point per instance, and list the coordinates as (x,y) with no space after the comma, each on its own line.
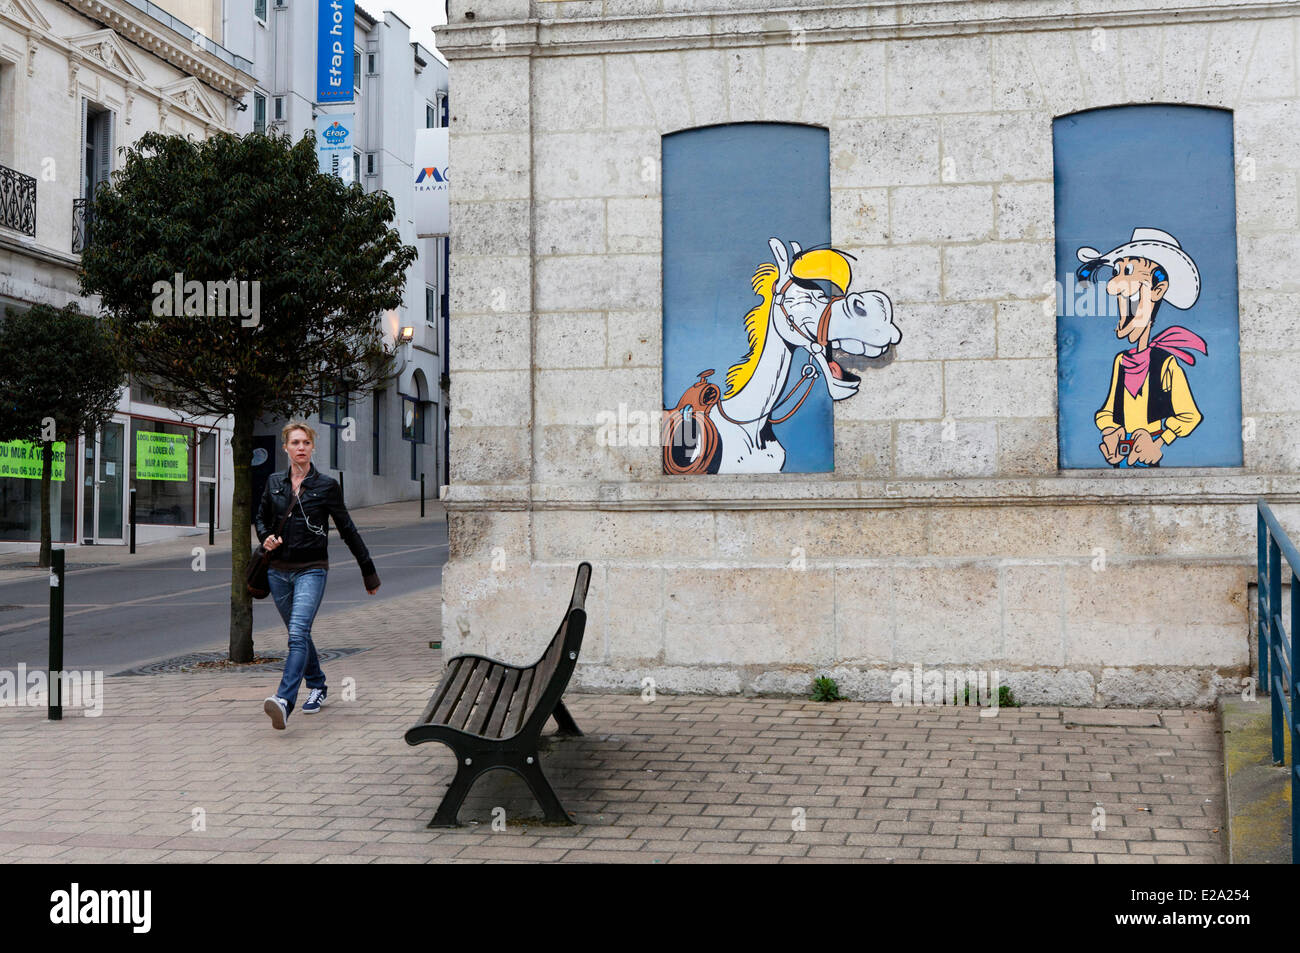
(259,584)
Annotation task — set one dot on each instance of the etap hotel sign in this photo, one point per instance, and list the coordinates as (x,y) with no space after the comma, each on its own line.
(335,28)
(334,145)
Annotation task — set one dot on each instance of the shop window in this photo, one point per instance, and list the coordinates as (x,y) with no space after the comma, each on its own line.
(21,465)
(413,431)
(163,472)
(378,403)
(334,415)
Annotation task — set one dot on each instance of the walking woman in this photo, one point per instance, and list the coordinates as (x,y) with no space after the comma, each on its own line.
(299,564)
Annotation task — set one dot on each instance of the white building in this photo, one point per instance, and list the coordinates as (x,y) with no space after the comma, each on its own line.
(398,86)
(78,79)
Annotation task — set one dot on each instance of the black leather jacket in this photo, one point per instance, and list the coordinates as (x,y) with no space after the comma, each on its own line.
(322,500)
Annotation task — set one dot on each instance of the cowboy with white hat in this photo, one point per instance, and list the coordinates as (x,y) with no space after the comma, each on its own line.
(1149,404)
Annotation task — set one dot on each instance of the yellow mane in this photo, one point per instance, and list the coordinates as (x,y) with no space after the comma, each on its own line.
(756,323)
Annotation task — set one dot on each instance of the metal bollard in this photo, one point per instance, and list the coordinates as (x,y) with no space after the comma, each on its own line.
(55,698)
(212,513)
(132,518)
(421,496)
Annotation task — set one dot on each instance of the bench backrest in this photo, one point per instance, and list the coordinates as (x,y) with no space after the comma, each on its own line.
(555,667)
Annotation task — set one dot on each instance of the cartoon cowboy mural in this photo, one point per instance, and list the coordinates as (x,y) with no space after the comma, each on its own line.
(1149,404)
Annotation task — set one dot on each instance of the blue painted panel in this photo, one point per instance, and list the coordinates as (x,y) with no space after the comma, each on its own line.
(726,191)
(1161,167)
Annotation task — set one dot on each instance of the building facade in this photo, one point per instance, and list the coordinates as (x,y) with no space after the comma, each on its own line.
(78,80)
(1033,264)
(379,443)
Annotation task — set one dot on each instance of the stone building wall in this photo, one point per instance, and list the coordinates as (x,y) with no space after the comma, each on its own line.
(946,534)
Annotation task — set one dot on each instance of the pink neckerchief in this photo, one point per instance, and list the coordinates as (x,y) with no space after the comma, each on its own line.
(1172,339)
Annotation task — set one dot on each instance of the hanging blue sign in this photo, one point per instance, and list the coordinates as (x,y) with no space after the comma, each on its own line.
(335,28)
(334,145)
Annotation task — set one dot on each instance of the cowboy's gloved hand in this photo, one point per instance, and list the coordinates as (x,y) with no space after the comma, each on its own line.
(1109,445)
(1145,449)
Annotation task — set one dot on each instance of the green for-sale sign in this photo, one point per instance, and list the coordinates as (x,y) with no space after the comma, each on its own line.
(161,456)
(24,460)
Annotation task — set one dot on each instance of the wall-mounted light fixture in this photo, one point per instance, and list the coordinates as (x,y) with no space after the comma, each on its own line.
(407,335)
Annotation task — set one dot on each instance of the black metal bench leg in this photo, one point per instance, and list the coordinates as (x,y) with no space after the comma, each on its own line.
(542,790)
(564,721)
(448,810)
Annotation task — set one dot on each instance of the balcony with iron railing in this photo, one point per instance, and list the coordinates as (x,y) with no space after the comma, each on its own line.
(17,201)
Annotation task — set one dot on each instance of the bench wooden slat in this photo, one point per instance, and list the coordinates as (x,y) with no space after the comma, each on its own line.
(497,721)
(519,703)
(441,691)
(487,701)
(453,694)
(469,699)
(545,668)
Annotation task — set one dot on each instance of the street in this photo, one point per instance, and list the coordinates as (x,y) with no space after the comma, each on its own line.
(147,608)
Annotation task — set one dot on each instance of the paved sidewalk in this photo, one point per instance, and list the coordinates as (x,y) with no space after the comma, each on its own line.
(678,779)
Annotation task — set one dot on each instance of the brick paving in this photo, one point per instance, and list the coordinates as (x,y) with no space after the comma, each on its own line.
(678,779)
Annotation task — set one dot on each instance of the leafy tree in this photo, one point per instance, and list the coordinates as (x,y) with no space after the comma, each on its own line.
(319,264)
(61,377)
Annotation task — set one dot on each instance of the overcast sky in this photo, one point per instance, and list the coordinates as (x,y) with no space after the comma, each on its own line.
(422,15)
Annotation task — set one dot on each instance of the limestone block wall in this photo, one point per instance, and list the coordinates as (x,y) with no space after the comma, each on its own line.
(946,535)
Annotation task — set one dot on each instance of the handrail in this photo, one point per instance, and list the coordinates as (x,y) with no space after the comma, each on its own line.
(1279,650)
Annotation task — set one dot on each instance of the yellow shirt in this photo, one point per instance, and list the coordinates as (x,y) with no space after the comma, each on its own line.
(1186,415)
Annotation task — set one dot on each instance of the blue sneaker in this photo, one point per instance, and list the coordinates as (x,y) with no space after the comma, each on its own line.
(315,698)
(278,709)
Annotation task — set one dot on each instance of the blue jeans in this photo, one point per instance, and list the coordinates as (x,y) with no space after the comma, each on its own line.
(297,596)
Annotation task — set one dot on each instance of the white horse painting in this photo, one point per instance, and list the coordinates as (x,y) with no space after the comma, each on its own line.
(795,313)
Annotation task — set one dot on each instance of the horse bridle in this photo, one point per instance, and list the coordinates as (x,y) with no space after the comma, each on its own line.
(815,345)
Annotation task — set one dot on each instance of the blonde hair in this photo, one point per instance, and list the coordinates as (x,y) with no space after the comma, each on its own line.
(293,425)
(756,323)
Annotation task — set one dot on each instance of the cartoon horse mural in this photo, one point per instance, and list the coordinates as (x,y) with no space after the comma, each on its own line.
(712,432)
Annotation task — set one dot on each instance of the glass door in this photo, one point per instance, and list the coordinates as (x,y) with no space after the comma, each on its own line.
(104,500)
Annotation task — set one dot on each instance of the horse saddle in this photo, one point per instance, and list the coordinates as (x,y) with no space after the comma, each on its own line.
(690,439)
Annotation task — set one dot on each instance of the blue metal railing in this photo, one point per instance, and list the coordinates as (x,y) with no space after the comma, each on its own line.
(1279,651)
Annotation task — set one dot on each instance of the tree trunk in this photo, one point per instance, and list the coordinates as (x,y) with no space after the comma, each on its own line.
(241,540)
(47,466)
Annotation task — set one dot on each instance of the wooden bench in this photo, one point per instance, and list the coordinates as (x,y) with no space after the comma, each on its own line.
(491,713)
